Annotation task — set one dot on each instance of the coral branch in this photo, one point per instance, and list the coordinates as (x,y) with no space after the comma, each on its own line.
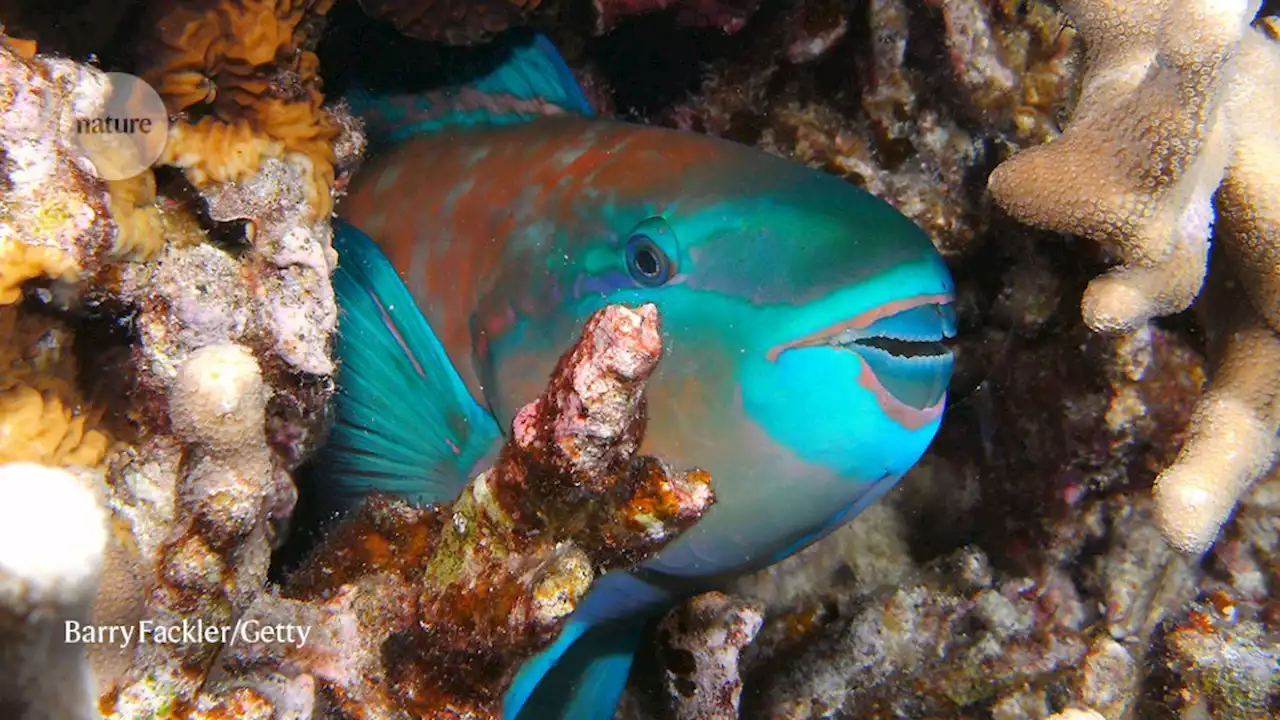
(1144,152)
(1179,103)
(1233,439)
(1249,201)
(429,611)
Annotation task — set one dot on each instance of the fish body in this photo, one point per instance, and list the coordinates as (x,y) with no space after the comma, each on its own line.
(801,318)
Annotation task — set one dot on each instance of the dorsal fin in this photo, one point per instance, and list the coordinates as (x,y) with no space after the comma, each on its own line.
(531,82)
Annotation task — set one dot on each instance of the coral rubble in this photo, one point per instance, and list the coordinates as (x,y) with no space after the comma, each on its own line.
(1172,110)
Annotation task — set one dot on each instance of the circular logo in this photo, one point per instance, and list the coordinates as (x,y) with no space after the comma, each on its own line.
(128,136)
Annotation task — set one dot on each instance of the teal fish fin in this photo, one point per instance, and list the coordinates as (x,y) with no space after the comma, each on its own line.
(533,81)
(582,674)
(405,422)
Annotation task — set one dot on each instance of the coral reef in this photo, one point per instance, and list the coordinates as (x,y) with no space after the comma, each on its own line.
(167,363)
(175,343)
(1054,433)
(1148,146)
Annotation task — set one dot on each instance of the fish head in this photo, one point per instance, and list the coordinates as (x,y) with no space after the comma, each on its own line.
(803,322)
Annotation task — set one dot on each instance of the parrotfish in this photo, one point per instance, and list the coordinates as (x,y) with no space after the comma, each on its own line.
(803,319)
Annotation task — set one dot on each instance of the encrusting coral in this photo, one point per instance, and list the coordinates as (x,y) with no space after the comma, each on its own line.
(1178,104)
(54,218)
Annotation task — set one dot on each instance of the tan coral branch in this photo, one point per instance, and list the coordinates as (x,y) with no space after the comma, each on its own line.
(1232,441)
(1179,103)
(1249,200)
(1146,148)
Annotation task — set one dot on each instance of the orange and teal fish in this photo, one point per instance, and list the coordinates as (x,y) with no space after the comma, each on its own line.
(802,319)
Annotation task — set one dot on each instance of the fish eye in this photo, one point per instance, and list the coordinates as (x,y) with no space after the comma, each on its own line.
(646,262)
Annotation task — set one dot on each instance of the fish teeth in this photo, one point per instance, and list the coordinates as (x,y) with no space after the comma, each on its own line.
(932,362)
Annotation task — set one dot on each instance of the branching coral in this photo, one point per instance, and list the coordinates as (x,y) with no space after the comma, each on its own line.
(1179,99)
(212,554)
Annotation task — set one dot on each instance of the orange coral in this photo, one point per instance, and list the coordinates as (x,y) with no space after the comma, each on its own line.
(247,65)
(42,417)
(20,262)
(139,230)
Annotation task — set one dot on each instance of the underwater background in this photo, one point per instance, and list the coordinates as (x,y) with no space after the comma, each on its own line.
(1094,531)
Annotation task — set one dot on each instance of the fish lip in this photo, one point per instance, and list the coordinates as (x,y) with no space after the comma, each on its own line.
(862,327)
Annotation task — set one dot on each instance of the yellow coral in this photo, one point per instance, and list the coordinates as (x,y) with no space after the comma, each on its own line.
(42,418)
(212,151)
(139,230)
(20,262)
(37,427)
(246,61)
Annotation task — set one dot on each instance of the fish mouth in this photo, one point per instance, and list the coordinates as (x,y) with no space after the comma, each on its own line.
(902,346)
